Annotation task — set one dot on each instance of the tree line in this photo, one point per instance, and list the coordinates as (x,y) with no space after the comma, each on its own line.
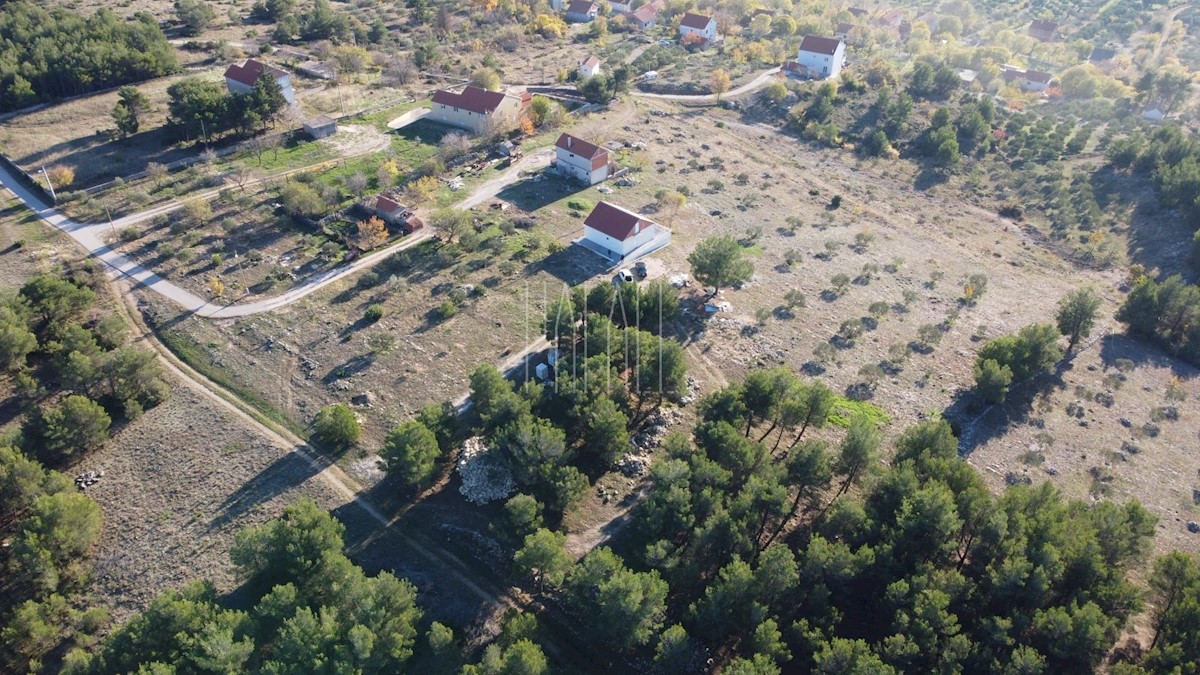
(51,54)
(72,374)
(762,548)
(1171,160)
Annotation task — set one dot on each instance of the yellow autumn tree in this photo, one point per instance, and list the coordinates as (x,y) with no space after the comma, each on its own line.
(371,233)
(216,286)
(526,126)
(423,189)
(387,173)
(61,176)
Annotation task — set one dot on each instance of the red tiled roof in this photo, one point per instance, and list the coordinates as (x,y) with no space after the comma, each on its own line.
(387,205)
(697,21)
(472,98)
(615,221)
(1043,26)
(1037,76)
(582,7)
(844,28)
(645,13)
(857,11)
(590,62)
(579,146)
(249,73)
(819,45)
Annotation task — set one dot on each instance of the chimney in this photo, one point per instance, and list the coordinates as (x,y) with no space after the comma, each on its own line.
(569,140)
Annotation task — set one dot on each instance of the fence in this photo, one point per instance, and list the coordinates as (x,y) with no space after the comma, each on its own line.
(29,181)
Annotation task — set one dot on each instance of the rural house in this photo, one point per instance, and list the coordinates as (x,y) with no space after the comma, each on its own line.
(857,12)
(1045,31)
(892,19)
(620,6)
(320,127)
(619,235)
(844,31)
(1027,80)
(1102,55)
(241,79)
(644,17)
(589,67)
(479,110)
(581,160)
(699,25)
(821,57)
(582,11)
(394,214)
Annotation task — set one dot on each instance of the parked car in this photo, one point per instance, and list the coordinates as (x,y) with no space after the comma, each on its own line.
(640,269)
(623,275)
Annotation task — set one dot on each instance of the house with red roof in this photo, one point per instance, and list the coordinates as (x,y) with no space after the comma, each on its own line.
(618,234)
(644,17)
(1027,80)
(821,57)
(241,79)
(478,110)
(582,11)
(1046,31)
(589,67)
(699,25)
(581,160)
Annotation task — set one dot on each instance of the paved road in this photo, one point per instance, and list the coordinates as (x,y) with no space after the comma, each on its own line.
(92,238)
(763,79)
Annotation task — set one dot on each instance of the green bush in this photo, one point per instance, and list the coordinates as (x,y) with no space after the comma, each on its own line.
(374,313)
(337,426)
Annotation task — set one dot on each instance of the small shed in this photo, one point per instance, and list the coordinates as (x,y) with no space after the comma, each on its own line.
(320,127)
(389,210)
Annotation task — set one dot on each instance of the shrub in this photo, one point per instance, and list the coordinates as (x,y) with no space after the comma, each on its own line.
(836,202)
(374,313)
(337,426)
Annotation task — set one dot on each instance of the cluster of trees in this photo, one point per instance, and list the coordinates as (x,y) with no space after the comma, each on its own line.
(612,373)
(1171,159)
(1167,314)
(319,22)
(932,80)
(50,528)
(607,85)
(51,54)
(1034,349)
(758,552)
(309,609)
(72,373)
(86,359)
(205,110)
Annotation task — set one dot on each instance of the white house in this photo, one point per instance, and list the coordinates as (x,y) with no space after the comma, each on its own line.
(703,27)
(582,11)
(583,161)
(822,57)
(1153,114)
(241,79)
(615,233)
(589,67)
(1027,80)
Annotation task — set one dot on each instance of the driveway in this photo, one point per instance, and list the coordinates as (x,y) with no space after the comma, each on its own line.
(408,118)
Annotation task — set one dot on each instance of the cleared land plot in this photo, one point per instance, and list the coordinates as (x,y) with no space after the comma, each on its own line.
(75,134)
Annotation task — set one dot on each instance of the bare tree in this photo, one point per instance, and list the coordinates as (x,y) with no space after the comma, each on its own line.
(156,172)
(357,183)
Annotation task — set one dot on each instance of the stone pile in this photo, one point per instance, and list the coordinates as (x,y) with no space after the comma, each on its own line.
(484,477)
(85,480)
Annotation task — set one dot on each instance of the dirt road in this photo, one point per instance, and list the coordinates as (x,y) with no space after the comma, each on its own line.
(763,79)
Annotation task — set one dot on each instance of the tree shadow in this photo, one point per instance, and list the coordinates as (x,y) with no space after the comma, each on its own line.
(1117,347)
(975,423)
(930,176)
(349,368)
(279,477)
(531,194)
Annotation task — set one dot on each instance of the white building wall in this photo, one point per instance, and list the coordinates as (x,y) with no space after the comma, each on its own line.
(828,66)
(579,168)
(620,249)
(708,33)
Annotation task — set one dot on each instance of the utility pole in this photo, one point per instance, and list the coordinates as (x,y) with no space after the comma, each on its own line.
(204,131)
(110,221)
(50,185)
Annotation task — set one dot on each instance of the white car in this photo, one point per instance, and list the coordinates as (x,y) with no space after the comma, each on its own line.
(623,275)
